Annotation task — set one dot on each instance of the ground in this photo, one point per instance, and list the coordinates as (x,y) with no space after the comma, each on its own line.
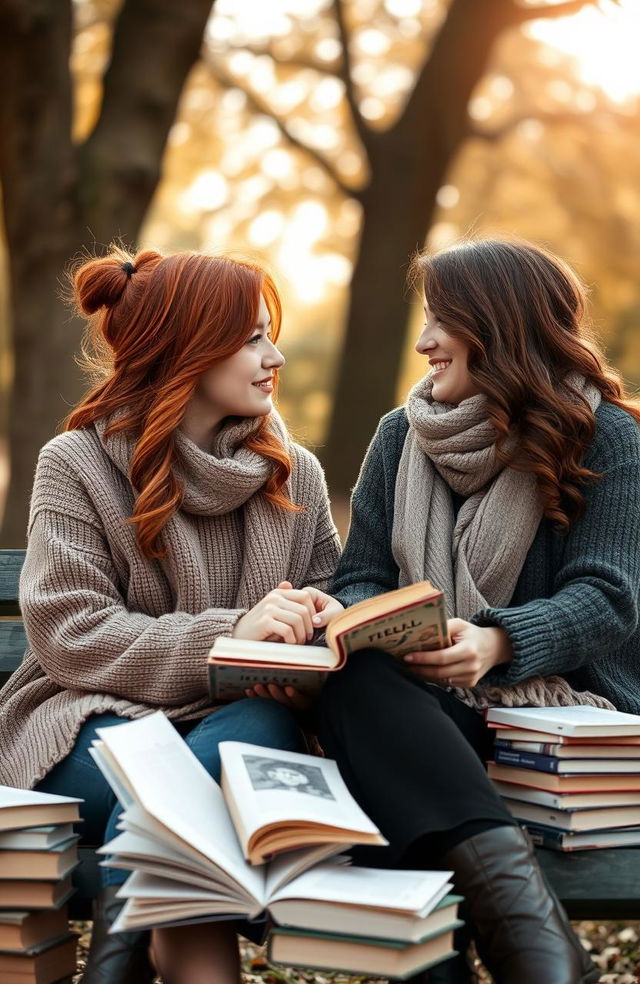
(615,948)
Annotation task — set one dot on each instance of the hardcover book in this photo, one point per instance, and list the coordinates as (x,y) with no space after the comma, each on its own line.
(566,801)
(579,721)
(561,840)
(575,820)
(567,766)
(22,930)
(564,784)
(360,955)
(40,964)
(410,619)
(201,849)
(27,808)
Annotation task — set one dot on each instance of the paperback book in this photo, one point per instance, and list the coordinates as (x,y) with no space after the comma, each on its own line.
(410,619)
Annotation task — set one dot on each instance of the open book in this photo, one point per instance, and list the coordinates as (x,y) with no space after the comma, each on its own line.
(411,619)
(189,856)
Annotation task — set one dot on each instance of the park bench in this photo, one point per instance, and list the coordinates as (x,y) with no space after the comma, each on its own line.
(602,884)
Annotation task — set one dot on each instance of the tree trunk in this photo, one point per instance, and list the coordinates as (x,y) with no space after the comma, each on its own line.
(408,164)
(393,228)
(59,199)
(39,179)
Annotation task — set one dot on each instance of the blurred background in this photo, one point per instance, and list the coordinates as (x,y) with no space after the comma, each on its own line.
(331,138)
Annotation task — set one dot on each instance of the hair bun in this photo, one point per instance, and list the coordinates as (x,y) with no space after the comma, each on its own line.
(102,281)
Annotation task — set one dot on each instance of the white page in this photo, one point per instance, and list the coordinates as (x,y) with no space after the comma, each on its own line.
(171,785)
(322,798)
(112,772)
(9,796)
(285,867)
(143,886)
(407,891)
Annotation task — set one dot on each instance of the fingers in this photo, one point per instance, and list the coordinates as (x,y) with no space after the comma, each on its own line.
(441,657)
(287,597)
(288,696)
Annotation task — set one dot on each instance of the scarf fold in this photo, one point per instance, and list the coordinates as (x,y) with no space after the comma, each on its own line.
(476,558)
(215,484)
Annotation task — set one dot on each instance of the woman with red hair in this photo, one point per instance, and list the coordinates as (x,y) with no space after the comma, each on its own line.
(511,480)
(174,509)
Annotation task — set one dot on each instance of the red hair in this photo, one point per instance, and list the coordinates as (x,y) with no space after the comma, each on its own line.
(522,313)
(156,323)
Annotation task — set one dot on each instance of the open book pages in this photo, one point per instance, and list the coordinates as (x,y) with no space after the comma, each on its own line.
(176,825)
(410,619)
(330,893)
(580,721)
(394,905)
(21,808)
(280,801)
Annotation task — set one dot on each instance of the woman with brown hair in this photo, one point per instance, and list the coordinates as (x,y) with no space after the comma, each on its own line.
(510,479)
(173,510)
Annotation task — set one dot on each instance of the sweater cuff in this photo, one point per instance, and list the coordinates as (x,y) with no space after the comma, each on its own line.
(532,640)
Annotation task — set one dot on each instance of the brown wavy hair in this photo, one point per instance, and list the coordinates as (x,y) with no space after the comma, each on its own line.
(522,313)
(153,328)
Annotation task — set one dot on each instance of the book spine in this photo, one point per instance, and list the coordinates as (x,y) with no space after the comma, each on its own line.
(526,760)
(553,840)
(538,748)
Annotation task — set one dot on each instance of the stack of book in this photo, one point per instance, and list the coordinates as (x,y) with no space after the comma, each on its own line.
(571,775)
(265,842)
(38,851)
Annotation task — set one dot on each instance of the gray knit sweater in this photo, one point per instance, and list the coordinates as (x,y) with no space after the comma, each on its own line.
(574,611)
(108,629)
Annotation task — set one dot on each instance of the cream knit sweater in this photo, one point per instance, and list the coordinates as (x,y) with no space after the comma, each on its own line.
(109,630)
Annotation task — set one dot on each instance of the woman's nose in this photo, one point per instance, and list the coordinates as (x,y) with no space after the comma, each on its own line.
(274,357)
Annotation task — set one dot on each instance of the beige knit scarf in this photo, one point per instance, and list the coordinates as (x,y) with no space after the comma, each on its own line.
(475,558)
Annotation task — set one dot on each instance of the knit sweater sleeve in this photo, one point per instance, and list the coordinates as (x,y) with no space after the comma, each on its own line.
(594,605)
(76,620)
(367,566)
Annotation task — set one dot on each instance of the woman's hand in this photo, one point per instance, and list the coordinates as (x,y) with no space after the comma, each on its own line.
(288,696)
(326,607)
(474,650)
(284,615)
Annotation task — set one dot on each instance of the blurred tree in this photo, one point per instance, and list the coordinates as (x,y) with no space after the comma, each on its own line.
(60,196)
(406,164)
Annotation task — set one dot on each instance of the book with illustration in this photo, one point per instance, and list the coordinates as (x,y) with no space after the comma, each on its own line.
(410,619)
(265,839)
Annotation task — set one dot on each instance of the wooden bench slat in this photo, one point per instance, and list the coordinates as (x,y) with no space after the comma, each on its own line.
(597,884)
(11,562)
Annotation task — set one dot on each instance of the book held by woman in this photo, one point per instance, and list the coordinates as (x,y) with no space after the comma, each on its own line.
(410,619)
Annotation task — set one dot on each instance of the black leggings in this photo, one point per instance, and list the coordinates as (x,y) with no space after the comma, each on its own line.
(412,755)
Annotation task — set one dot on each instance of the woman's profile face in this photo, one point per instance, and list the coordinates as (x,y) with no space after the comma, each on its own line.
(448,358)
(242,385)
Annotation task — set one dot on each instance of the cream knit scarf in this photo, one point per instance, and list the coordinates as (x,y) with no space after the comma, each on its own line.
(476,558)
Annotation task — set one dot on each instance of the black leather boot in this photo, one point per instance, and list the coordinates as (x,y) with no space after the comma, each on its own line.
(119,958)
(521,930)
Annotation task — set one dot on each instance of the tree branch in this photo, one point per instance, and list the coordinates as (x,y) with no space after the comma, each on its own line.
(330,68)
(155,45)
(522,14)
(261,106)
(497,133)
(345,73)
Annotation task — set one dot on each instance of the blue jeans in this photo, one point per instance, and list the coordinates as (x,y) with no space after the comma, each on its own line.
(254,720)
